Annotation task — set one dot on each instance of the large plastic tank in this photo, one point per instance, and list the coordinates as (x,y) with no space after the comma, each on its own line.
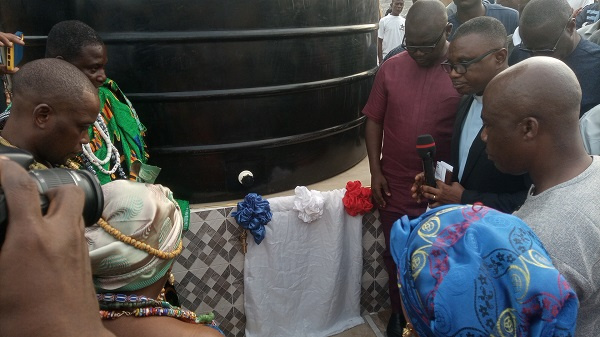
(275,87)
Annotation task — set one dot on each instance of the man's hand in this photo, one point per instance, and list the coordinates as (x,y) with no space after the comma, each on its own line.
(45,272)
(416,191)
(379,187)
(444,194)
(8,39)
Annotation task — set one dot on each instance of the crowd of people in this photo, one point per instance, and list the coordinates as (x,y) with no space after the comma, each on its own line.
(66,113)
(524,76)
(509,246)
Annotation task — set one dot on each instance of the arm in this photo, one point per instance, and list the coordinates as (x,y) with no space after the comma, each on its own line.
(456,194)
(505,202)
(45,271)
(373,138)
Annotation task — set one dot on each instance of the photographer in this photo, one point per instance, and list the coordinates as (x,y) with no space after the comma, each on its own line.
(45,275)
(53,106)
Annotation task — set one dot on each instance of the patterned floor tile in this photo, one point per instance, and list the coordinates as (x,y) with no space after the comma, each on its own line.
(234,322)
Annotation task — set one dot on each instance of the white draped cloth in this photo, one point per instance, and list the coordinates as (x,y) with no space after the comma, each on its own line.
(304,279)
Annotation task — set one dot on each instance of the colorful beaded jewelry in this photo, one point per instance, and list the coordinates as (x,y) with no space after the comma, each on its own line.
(139,244)
(111,150)
(141,306)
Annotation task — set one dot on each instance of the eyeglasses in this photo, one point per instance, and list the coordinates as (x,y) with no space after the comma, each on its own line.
(461,67)
(423,49)
(545,50)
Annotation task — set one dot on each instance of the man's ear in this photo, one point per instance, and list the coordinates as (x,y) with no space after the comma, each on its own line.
(41,115)
(571,26)
(448,29)
(529,128)
(501,56)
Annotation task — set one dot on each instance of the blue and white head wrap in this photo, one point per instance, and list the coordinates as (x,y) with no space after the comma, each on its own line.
(472,271)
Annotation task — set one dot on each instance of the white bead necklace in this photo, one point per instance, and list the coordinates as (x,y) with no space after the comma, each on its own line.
(110,150)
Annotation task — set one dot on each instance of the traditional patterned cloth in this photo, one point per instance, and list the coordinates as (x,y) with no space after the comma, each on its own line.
(126,131)
(473,271)
(144,212)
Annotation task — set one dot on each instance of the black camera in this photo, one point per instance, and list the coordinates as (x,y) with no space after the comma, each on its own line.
(51,178)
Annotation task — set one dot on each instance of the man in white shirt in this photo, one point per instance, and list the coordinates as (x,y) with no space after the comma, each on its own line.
(391,30)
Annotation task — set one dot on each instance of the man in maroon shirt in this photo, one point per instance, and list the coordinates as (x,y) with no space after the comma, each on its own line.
(412,95)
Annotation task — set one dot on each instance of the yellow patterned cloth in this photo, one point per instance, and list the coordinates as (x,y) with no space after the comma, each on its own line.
(467,270)
(144,212)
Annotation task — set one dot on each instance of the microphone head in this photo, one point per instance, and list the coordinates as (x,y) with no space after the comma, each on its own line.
(425,146)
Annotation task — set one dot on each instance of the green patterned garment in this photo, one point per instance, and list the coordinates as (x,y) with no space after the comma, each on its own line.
(125,130)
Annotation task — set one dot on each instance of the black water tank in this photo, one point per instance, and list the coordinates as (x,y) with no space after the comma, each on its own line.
(275,87)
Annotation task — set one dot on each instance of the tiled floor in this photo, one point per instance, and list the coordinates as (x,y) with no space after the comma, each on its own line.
(374,326)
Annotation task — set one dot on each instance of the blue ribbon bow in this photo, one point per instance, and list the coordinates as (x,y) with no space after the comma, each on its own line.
(253,214)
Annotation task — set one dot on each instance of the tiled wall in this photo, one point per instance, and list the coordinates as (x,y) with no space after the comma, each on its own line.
(210,270)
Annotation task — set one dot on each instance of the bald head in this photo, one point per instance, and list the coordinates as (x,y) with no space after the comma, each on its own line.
(54,104)
(47,81)
(531,122)
(540,87)
(427,13)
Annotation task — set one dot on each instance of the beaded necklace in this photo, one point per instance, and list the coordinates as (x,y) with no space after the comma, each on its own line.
(112,154)
(139,244)
(113,306)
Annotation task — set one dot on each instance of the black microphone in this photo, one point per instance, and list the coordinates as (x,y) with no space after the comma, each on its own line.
(426,150)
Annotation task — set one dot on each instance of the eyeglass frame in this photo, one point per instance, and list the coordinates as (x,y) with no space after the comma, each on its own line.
(415,48)
(466,64)
(522,47)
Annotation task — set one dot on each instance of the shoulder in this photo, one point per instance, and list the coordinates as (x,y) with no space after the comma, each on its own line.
(499,12)
(385,19)
(453,19)
(588,47)
(585,59)
(398,61)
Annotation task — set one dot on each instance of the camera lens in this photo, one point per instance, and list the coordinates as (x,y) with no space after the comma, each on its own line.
(51,178)
(94,199)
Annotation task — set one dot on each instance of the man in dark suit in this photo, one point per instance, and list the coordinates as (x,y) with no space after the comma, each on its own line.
(475,56)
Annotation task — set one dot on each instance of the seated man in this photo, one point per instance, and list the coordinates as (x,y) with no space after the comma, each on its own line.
(117,136)
(469,270)
(53,106)
(132,249)
(538,133)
